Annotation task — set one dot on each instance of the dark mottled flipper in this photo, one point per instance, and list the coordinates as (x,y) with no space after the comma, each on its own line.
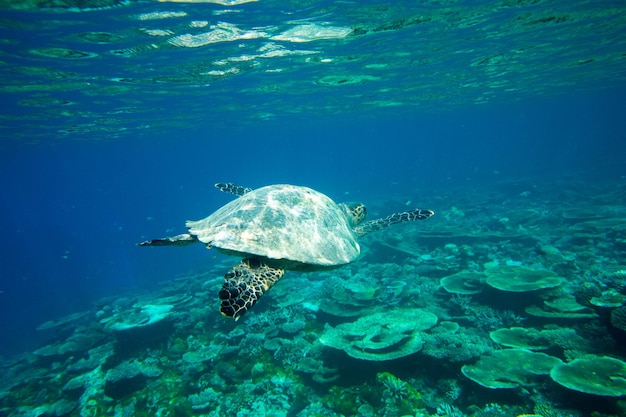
(178,240)
(231,188)
(245,284)
(378,224)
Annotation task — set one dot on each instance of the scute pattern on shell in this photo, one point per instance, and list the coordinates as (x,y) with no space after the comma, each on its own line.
(281,222)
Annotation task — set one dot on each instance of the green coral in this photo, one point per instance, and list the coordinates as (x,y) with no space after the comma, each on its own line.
(609,299)
(445,342)
(399,394)
(509,368)
(465,283)
(557,314)
(598,375)
(390,396)
(346,401)
(520,337)
(618,318)
(521,279)
(381,336)
(564,303)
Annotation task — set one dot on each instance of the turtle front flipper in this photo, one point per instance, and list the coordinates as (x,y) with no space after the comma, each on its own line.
(378,224)
(178,240)
(244,284)
(231,188)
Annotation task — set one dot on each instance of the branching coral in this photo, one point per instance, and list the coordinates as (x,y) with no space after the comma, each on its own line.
(394,386)
(204,399)
(458,346)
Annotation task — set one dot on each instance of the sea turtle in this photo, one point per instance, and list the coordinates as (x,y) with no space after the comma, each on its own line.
(277,228)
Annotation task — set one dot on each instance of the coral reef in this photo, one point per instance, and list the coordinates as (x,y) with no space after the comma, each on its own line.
(505,307)
(521,279)
(381,336)
(598,375)
(509,368)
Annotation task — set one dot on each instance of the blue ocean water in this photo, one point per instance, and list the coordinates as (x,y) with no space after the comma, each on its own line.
(117,121)
(73,211)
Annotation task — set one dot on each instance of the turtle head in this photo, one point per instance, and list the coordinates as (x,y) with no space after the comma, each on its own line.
(355,212)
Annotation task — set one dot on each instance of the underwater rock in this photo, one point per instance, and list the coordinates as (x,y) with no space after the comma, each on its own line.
(317,370)
(509,368)
(81,340)
(381,336)
(598,375)
(124,379)
(521,279)
(141,326)
(62,321)
(75,387)
(618,318)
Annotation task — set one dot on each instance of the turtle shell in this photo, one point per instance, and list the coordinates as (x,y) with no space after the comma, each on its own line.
(294,227)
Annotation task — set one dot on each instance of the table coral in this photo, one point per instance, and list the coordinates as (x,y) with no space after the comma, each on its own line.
(381,336)
(520,337)
(598,375)
(509,368)
(521,279)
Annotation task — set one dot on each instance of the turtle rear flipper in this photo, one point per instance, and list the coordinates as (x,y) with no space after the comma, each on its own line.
(244,284)
(378,224)
(178,240)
